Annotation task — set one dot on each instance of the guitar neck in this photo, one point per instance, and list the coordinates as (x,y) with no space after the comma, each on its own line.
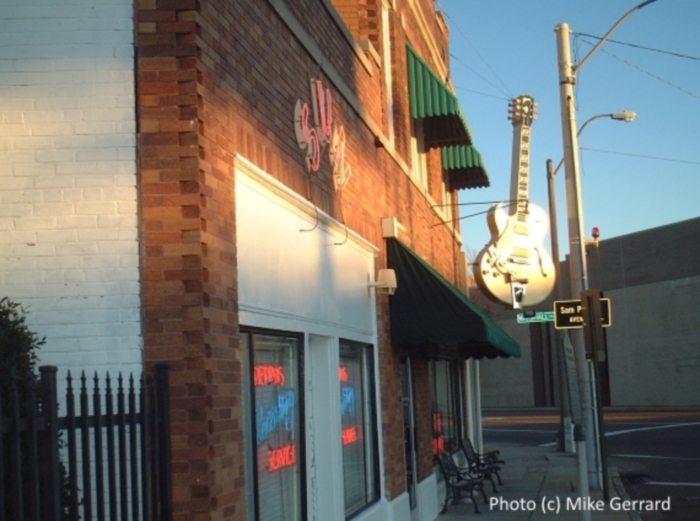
(520,173)
(522,111)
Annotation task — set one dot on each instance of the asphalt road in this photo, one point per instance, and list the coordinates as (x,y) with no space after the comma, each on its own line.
(657,452)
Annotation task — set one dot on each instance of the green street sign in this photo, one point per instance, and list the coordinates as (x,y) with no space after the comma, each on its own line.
(535,316)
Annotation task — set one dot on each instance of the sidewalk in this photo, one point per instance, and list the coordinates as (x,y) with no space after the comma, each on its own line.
(539,484)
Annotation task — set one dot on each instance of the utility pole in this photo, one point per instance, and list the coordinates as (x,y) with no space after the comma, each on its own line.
(577,254)
(578,271)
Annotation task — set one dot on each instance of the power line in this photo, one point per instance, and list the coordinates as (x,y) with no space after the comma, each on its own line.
(671,53)
(649,73)
(657,158)
(475,72)
(655,76)
(483,94)
(507,92)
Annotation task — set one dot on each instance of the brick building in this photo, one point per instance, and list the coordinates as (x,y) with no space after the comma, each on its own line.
(218,185)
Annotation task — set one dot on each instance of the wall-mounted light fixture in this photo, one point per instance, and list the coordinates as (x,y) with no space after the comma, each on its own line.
(386,282)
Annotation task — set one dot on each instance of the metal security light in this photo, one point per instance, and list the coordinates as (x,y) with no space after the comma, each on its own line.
(386,282)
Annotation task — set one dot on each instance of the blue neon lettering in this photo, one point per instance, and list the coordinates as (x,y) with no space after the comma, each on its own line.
(347,400)
(280,413)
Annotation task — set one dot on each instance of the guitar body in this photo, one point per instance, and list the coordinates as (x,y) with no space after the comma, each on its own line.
(515,255)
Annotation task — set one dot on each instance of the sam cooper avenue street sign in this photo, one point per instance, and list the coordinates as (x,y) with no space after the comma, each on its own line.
(568,314)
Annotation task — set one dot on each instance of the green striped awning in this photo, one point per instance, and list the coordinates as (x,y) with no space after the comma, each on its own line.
(464,167)
(430,317)
(432,101)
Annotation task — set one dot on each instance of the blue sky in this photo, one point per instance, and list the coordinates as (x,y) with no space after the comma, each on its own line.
(504,48)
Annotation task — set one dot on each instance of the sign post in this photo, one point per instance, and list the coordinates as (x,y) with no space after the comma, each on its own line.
(594,340)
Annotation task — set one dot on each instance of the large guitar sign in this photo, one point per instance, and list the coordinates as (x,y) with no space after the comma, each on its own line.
(513,267)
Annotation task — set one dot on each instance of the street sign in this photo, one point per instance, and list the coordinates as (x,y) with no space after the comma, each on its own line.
(535,316)
(568,314)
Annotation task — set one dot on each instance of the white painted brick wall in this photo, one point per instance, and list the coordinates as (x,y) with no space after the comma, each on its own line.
(68,210)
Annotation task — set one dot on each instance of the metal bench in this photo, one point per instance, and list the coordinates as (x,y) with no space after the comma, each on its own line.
(489,464)
(459,482)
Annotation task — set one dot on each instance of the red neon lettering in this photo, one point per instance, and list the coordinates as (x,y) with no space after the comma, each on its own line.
(349,435)
(341,171)
(343,373)
(281,457)
(313,139)
(268,374)
(305,122)
(307,136)
(310,135)
(323,110)
(437,422)
(438,444)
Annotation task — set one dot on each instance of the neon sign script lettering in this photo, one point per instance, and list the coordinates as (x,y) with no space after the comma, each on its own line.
(281,413)
(312,139)
(281,457)
(347,400)
(349,435)
(268,374)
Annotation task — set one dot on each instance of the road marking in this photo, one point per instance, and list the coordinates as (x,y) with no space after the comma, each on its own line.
(519,430)
(653,428)
(643,456)
(639,429)
(668,484)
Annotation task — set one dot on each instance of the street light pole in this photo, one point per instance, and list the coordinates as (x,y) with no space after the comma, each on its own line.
(577,268)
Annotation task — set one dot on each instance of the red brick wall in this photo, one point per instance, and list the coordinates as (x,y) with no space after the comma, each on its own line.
(219,78)
(188,265)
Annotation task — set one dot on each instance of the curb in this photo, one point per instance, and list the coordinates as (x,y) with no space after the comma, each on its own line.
(620,489)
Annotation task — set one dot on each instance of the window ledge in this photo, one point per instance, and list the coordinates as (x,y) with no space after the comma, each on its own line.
(369,49)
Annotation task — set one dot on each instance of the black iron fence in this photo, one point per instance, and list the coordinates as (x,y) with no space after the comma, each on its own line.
(110,461)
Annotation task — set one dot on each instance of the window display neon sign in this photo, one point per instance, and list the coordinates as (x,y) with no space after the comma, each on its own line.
(349,435)
(347,400)
(281,413)
(268,374)
(343,373)
(281,457)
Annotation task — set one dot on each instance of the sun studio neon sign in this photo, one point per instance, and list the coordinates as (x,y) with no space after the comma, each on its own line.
(315,131)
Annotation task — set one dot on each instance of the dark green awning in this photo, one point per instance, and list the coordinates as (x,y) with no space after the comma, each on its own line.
(434,103)
(431,316)
(464,167)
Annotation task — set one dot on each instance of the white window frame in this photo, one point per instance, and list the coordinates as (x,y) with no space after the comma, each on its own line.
(419,157)
(386,59)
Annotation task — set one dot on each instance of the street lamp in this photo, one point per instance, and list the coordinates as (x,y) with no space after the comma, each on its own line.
(623,115)
(588,462)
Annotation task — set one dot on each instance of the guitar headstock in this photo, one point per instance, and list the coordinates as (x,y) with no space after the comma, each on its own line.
(522,110)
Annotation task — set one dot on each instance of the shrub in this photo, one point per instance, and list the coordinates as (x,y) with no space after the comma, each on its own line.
(18,359)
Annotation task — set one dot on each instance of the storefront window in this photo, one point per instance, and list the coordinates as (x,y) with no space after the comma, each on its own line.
(446,399)
(276,412)
(359,433)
